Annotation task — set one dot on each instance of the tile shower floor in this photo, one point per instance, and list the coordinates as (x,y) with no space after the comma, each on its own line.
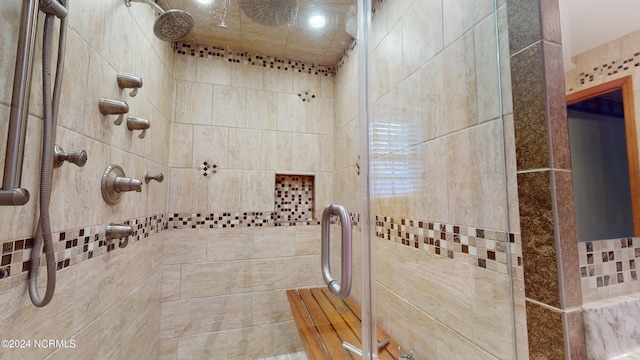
(301,355)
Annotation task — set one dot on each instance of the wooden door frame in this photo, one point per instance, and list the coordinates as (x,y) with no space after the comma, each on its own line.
(626,85)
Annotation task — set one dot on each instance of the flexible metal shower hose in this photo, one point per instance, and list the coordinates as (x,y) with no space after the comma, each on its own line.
(50,110)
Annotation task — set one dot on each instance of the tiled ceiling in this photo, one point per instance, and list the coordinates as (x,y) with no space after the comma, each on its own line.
(222,24)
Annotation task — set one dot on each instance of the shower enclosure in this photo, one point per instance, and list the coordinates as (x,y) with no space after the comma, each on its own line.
(437,254)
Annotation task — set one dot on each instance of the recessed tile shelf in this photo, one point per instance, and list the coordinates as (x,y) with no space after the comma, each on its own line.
(294,198)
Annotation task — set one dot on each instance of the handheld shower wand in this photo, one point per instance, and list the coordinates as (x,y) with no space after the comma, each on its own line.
(170,25)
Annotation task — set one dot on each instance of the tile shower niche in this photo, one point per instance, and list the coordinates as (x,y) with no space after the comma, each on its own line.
(294,199)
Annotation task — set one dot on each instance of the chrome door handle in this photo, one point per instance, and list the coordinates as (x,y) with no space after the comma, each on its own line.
(342,288)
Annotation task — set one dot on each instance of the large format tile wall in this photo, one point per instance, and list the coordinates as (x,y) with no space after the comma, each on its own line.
(108,294)
(224,290)
(440,182)
(249,121)
(229,258)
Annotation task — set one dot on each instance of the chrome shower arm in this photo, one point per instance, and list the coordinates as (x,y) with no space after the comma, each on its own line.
(153,4)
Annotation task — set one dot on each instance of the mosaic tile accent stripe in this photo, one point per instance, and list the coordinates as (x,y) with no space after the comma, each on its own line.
(479,247)
(610,68)
(225,220)
(72,247)
(294,198)
(609,262)
(252,59)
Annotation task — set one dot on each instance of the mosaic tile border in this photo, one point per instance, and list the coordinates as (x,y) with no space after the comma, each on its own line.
(479,247)
(610,68)
(224,220)
(609,262)
(72,247)
(205,51)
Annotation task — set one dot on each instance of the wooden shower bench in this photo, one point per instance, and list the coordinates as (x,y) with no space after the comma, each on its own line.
(325,321)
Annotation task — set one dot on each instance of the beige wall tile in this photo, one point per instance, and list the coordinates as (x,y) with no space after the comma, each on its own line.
(307,240)
(224,191)
(72,98)
(196,316)
(171,275)
(191,186)
(9,26)
(193,103)
(250,77)
(251,342)
(292,272)
(262,109)
(167,349)
(278,81)
(274,242)
(286,338)
(230,244)
(258,190)
(213,345)
(252,276)
(89,18)
(87,344)
(213,71)
(484,37)
(184,248)
(422,34)
(291,113)
(184,68)
(211,143)
(387,62)
(492,317)
(229,106)
(439,280)
(271,307)
(476,177)
(205,279)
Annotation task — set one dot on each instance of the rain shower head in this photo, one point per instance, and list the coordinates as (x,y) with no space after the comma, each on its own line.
(170,25)
(270,12)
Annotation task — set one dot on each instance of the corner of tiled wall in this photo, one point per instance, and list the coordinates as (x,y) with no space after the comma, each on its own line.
(549,244)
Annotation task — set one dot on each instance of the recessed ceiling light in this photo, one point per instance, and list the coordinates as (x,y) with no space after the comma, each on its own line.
(205,2)
(317,21)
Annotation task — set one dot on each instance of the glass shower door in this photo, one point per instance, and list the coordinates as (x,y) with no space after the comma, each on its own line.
(436,187)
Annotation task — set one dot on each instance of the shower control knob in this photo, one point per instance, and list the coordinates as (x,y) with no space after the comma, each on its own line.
(75,157)
(157,177)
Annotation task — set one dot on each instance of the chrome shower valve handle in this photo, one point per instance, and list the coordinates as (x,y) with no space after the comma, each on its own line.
(75,157)
(114,184)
